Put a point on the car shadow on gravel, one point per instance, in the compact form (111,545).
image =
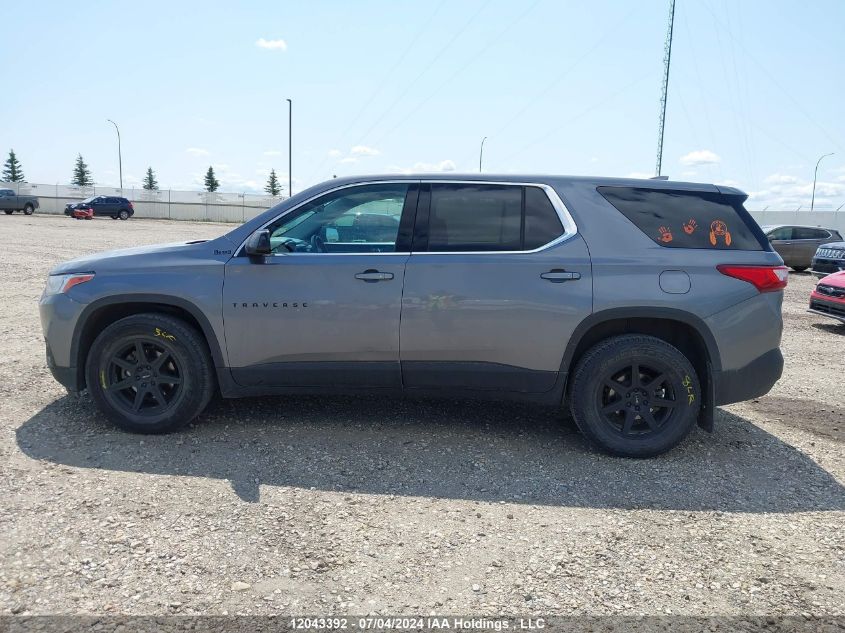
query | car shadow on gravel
(477,451)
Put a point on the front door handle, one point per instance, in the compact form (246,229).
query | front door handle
(373,275)
(558,276)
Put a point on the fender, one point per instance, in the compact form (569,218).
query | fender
(613,314)
(168,300)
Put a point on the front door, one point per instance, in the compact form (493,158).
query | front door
(496,284)
(323,309)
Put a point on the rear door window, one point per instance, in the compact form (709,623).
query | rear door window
(809,233)
(483,218)
(686,219)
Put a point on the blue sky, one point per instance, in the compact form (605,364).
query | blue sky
(757,90)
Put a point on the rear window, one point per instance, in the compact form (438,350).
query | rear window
(685,219)
(807,233)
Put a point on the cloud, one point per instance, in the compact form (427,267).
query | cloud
(363,150)
(788,196)
(197,151)
(272,45)
(781,179)
(700,157)
(272,152)
(335,153)
(443,165)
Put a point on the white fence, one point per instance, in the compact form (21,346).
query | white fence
(166,203)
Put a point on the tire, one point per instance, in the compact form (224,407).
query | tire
(8,211)
(123,215)
(177,358)
(799,269)
(28,210)
(628,421)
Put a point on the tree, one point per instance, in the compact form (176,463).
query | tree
(273,187)
(81,173)
(12,171)
(211,183)
(150,182)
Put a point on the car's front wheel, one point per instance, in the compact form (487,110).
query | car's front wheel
(150,373)
(123,215)
(635,395)
(8,211)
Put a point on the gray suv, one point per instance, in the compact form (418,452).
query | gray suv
(641,305)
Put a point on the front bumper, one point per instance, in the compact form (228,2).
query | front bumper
(752,381)
(59,315)
(828,307)
(823,266)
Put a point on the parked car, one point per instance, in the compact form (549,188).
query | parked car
(639,305)
(829,258)
(11,202)
(828,297)
(111,206)
(797,244)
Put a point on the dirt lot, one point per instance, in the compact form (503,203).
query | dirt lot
(353,505)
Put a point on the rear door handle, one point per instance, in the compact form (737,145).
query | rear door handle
(374,275)
(558,276)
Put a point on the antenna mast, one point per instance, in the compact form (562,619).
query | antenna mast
(667,57)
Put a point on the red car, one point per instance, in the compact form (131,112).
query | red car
(83,214)
(828,298)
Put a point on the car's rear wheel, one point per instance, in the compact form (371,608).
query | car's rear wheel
(123,215)
(8,211)
(799,269)
(635,395)
(29,209)
(150,373)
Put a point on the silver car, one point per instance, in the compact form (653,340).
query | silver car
(639,305)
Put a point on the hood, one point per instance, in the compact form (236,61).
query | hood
(836,245)
(140,257)
(835,279)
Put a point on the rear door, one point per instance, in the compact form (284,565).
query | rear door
(806,240)
(497,281)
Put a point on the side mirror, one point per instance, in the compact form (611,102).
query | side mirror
(258,244)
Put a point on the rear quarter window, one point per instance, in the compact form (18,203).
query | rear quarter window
(685,219)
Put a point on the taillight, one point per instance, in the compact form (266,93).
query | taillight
(764,278)
(131,206)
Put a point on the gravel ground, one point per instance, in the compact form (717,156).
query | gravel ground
(358,505)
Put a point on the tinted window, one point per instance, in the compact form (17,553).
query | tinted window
(805,233)
(783,233)
(685,219)
(475,218)
(354,220)
(542,223)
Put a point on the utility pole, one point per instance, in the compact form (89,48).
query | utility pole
(481,154)
(119,157)
(290,148)
(815,175)
(664,94)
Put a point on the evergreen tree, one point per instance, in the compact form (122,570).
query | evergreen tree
(81,173)
(150,182)
(211,183)
(273,187)
(12,171)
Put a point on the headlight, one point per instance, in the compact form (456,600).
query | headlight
(63,283)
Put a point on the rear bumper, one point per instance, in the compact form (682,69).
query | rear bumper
(752,381)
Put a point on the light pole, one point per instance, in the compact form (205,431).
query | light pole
(815,174)
(119,157)
(290,148)
(481,154)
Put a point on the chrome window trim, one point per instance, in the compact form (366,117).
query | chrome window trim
(570,229)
